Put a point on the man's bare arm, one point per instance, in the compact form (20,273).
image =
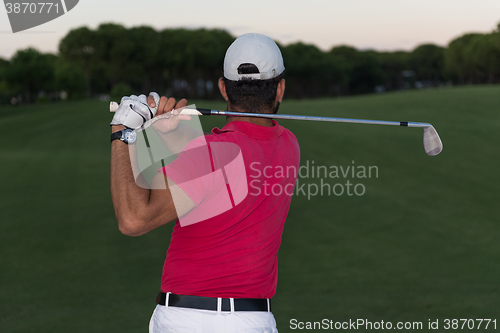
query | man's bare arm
(139,210)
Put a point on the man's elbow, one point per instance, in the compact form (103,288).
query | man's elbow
(130,227)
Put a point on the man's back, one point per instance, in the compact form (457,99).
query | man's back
(234,253)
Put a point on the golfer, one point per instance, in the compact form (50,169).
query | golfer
(221,269)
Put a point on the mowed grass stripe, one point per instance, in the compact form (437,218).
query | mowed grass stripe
(421,243)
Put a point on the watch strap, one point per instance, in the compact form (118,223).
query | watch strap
(116,135)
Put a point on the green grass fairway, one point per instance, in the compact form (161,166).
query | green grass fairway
(422,243)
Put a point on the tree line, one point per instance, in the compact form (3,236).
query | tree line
(114,60)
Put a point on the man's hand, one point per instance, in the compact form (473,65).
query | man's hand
(167,117)
(134,111)
(139,210)
(165,104)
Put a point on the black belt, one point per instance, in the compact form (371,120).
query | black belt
(210,303)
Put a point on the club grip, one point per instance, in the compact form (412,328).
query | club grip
(205,112)
(113,106)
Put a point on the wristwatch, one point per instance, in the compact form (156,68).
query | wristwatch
(126,135)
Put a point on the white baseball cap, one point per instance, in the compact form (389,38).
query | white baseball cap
(255,49)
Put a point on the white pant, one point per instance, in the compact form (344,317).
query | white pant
(181,320)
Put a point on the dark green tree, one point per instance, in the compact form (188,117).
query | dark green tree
(70,78)
(79,47)
(145,61)
(114,54)
(458,65)
(427,61)
(311,72)
(193,58)
(393,65)
(4,90)
(364,68)
(209,48)
(30,72)
(482,54)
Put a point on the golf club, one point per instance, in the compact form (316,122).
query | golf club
(432,142)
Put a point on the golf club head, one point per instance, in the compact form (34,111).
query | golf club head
(432,141)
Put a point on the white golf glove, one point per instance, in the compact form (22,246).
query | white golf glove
(134,111)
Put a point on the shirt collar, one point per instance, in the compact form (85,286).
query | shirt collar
(251,130)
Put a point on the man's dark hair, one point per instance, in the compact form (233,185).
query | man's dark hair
(256,96)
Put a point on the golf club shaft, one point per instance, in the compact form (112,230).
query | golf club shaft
(432,141)
(208,112)
(311,118)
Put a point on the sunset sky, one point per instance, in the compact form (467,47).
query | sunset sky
(377,24)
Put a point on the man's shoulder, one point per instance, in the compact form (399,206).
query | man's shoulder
(288,132)
(289,135)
